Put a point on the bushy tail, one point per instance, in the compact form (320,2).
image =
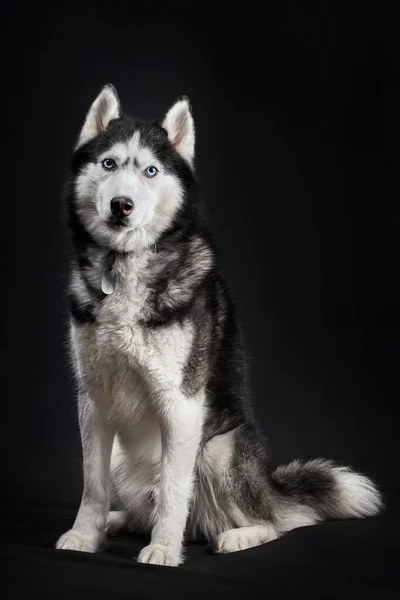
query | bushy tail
(318,490)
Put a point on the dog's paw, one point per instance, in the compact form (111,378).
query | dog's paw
(80,542)
(243,538)
(158,554)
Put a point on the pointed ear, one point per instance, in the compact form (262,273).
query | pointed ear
(179,124)
(104,108)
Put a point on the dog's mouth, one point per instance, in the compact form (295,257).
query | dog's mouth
(117,223)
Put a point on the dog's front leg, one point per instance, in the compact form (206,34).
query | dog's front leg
(88,531)
(181,425)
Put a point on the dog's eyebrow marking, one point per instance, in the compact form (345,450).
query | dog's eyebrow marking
(136,162)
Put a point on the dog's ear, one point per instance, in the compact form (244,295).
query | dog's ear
(179,124)
(104,108)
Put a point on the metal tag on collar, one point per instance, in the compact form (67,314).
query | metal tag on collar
(107,282)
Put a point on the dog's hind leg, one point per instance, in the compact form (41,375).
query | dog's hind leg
(233,503)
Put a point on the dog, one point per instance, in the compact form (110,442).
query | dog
(169,437)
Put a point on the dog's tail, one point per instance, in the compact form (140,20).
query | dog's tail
(320,490)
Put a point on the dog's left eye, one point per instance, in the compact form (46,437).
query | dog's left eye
(108,164)
(151,171)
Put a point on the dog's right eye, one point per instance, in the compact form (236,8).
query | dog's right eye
(108,164)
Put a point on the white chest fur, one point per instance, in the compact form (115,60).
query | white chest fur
(121,359)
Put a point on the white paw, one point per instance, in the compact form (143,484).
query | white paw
(80,542)
(158,554)
(243,538)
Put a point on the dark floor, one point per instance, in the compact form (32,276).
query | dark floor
(353,559)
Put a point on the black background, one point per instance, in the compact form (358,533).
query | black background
(298,132)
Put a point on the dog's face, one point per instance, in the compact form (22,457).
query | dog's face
(130,176)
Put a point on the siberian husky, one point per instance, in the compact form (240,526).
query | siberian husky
(169,438)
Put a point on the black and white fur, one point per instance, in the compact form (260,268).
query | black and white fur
(168,434)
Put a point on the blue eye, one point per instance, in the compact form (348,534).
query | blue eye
(151,172)
(108,164)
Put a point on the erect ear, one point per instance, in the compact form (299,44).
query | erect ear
(179,124)
(104,108)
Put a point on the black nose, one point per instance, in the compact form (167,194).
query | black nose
(121,207)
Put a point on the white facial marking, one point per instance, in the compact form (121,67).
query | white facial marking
(155,199)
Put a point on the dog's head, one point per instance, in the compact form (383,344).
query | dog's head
(131,177)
